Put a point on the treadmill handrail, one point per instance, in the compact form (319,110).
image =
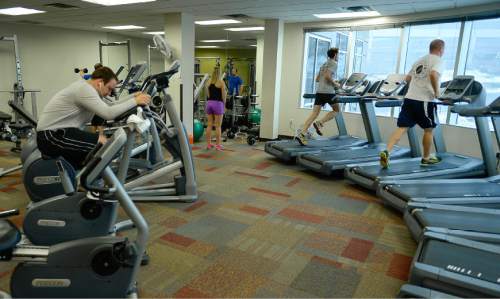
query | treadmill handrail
(493,109)
(390,101)
(348,98)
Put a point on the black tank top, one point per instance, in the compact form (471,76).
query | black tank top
(214,93)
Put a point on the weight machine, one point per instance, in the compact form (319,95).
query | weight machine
(24,121)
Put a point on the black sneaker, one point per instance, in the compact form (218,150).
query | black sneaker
(317,126)
(301,138)
(430,161)
(384,159)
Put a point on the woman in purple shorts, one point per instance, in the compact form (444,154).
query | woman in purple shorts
(216,91)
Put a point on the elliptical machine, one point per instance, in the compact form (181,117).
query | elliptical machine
(40,174)
(71,216)
(96,267)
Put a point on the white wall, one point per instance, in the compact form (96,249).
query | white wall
(49,55)
(460,140)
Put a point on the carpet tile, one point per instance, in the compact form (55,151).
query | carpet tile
(260,229)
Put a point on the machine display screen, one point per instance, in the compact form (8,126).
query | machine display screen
(354,79)
(458,86)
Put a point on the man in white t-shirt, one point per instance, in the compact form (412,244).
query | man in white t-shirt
(418,106)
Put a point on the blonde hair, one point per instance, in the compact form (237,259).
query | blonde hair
(215,75)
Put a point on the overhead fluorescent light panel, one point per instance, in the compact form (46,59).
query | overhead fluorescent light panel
(124,27)
(217,22)
(214,41)
(19,11)
(245,29)
(117,2)
(350,12)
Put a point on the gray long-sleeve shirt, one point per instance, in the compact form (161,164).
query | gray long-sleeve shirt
(74,106)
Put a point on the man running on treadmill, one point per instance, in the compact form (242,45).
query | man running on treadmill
(418,106)
(325,94)
(60,128)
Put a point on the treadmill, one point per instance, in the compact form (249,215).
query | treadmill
(456,266)
(391,92)
(413,291)
(460,89)
(483,192)
(479,224)
(287,150)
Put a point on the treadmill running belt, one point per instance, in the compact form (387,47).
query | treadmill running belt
(485,189)
(319,143)
(458,220)
(292,144)
(402,168)
(467,261)
(344,154)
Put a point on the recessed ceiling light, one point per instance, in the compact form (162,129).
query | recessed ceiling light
(344,15)
(19,11)
(253,45)
(124,27)
(154,32)
(217,22)
(245,29)
(214,41)
(207,47)
(117,2)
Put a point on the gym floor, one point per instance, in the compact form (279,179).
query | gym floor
(261,229)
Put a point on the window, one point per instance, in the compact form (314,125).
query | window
(360,46)
(315,56)
(342,43)
(380,52)
(482,62)
(359,54)
(419,38)
(376,54)
(317,44)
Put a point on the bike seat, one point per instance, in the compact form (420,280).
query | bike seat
(10,235)
(47,157)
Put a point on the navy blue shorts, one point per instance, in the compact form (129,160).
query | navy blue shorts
(324,98)
(417,112)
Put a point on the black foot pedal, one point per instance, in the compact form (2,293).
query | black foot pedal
(145,259)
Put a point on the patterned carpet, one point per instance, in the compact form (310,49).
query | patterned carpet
(261,229)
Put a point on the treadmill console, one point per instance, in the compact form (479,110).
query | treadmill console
(457,89)
(392,85)
(363,88)
(353,82)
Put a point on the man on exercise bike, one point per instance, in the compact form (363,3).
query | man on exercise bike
(60,127)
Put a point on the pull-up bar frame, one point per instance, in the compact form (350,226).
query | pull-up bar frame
(125,43)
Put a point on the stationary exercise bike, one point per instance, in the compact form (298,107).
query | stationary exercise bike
(99,267)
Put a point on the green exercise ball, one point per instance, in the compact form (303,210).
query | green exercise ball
(254,116)
(198,130)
